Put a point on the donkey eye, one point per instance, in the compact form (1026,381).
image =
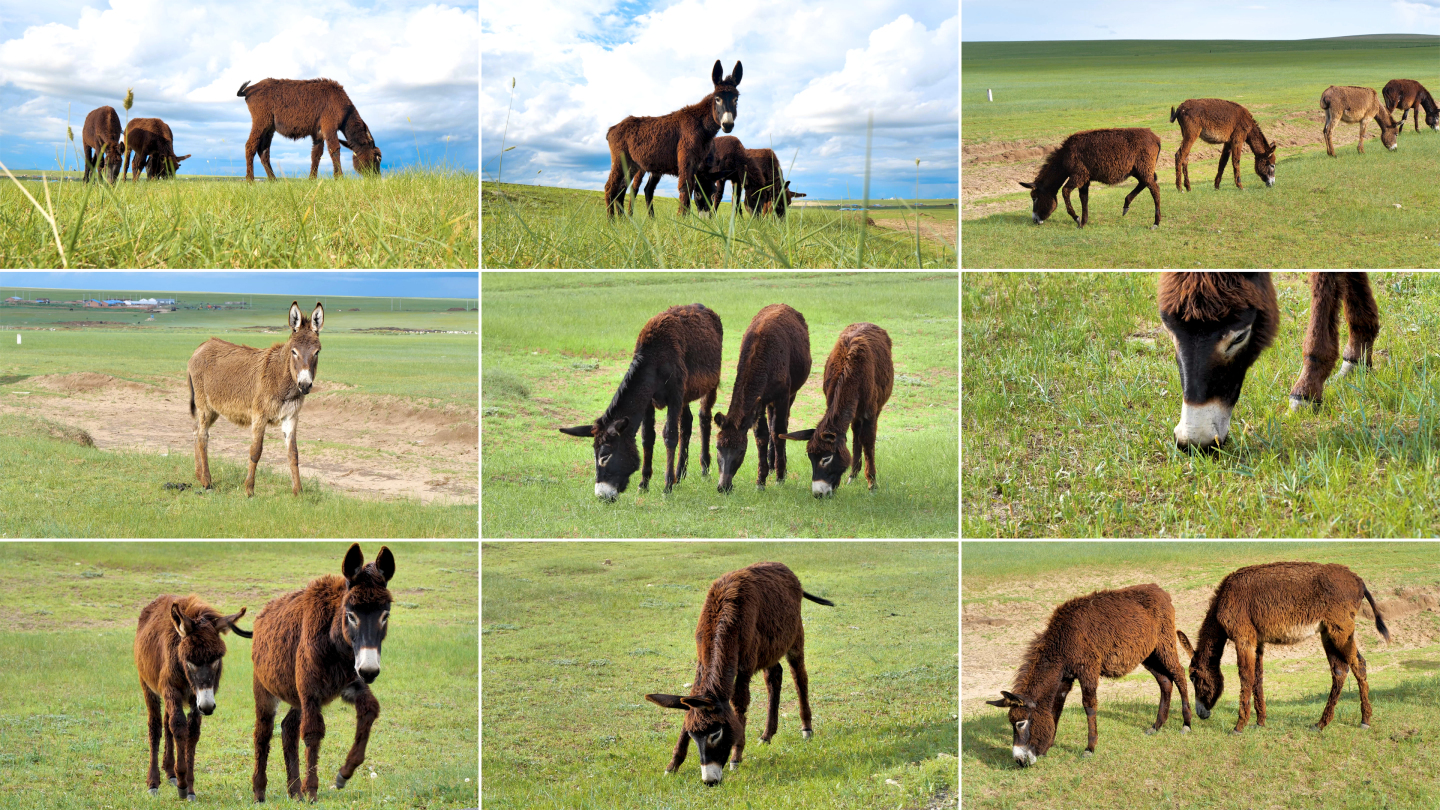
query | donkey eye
(714,739)
(351,617)
(605,460)
(1022,724)
(825,462)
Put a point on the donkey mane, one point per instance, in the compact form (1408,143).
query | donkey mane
(1210,296)
(635,363)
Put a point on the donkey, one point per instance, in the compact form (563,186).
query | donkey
(763,182)
(1107,155)
(101,138)
(725,162)
(677,361)
(1215,120)
(254,388)
(1356,104)
(858,379)
(750,621)
(1280,603)
(774,363)
(179,655)
(676,143)
(317,109)
(312,646)
(153,146)
(1408,95)
(789,197)
(1221,322)
(1105,634)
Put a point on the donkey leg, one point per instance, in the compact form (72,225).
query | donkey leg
(634,193)
(169,762)
(332,141)
(1358,666)
(1168,662)
(762,443)
(677,757)
(857,448)
(780,427)
(312,731)
(1363,318)
(707,404)
(190,743)
(1165,683)
(869,447)
(265,704)
(202,447)
(672,438)
(1339,668)
(1321,340)
(290,750)
(774,676)
(796,659)
(615,188)
(1360,147)
(650,186)
(154,713)
(1245,660)
(257,444)
(292,449)
(1058,705)
(647,446)
(1065,191)
(264,152)
(1182,163)
(1085,205)
(317,148)
(180,731)
(687,420)
(741,702)
(1089,682)
(1260,684)
(367,708)
(1224,158)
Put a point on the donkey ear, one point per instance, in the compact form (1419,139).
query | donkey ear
(345,144)
(739,71)
(183,625)
(667,701)
(798,436)
(228,623)
(828,436)
(295,317)
(1028,185)
(317,318)
(716,73)
(618,426)
(719,419)
(178,159)
(354,560)
(1185,642)
(385,563)
(697,702)
(579,430)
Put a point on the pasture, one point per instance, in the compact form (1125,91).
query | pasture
(74,723)
(555,348)
(1071,392)
(1008,591)
(577,633)
(1322,212)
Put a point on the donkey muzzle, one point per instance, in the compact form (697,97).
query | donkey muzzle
(367,664)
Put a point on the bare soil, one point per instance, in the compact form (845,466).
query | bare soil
(930,228)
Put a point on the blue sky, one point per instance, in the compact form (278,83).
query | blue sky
(411,69)
(315,285)
(813,70)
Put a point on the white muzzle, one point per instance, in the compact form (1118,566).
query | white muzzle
(712,774)
(1024,757)
(1202,424)
(367,659)
(205,700)
(820,488)
(606,491)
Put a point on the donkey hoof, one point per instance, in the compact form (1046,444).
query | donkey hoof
(1184,729)
(1088,753)
(806,733)
(1149,731)
(340,780)
(1364,726)
(155,791)
(173,783)
(1236,731)
(190,798)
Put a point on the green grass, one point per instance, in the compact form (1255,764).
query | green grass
(1071,392)
(555,347)
(72,722)
(544,227)
(416,218)
(566,721)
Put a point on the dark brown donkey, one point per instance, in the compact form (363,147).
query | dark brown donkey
(858,379)
(1409,95)
(1215,120)
(1106,155)
(725,162)
(677,361)
(312,646)
(676,143)
(1280,603)
(1106,634)
(750,621)
(101,137)
(152,144)
(1221,322)
(318,109)
(179,655)
(774,363)
(764,182)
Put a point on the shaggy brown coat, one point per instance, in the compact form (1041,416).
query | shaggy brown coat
(677,361)
(751,620)
(1215,120)
(310,648)
(101,135)
(318,109)
(1106,155)
(1280,603)
(763,179)
(254,388)
(1408,95)
(1105,634)
(725,162)
(1356,105)
(789,197)
(179,655)
(774,363)
(153,145)
(676,143)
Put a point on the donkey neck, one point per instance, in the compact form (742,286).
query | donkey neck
(1256,141)
(637,390)
(750,384)
(700,113)
(1210,641)
(719,654)
(840,407)
(1040,678)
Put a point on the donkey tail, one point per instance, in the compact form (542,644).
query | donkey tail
(1172,115)
(241,91)
(191,380)
(817,599)
(1379,622)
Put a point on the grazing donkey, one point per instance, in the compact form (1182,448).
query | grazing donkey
(317,109)
(1355,105)
(101,137)
(1408,95)
(1215,120)
(750,621)
(1221,322)
(179,655)
(153,146)
(312,646)
(774,363)
(858,379)
(725,162)
(763,180)
(677,361)
(1107,155)
(254,388)
(1106,634)
(676,143)
(1280,603)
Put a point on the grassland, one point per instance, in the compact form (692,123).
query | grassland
(577,633)
(555,346)
(1070,393)
(1009,590)
(72,722)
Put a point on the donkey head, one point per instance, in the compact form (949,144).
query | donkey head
(163,165)
(730,444)
(304,345)
(1265,163)
(366,157)
(1034,727)
(202,652)
(1389,130)
(726,96)
(1432,118)
(828,458)
(712,723)
(366,613)
(114,157)
(616,457)
(1205,674)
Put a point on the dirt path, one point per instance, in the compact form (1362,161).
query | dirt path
(372,446)
(930,228)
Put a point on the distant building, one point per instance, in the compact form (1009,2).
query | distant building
(166,301)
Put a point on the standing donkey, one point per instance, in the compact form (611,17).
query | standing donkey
(774,363)
(312,646)
(254,388)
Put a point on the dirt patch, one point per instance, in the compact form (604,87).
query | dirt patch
(936,231)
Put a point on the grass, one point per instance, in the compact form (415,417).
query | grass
(1068,410)
(555,346)
(72,722)
(413,218)
(566,722)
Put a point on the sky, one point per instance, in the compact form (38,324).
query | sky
(1024,20)
(313,285)
(410,68)
(813,71)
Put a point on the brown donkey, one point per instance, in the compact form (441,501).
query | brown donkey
(152,144)
(1106,155)
(312,646)
(1410,95)
(774,363)
(1281,603)
(179,655)
(318,109)
(1215,120)
(750,621)
(101,138)
(1106,634)
(254,388)
(1352,105)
